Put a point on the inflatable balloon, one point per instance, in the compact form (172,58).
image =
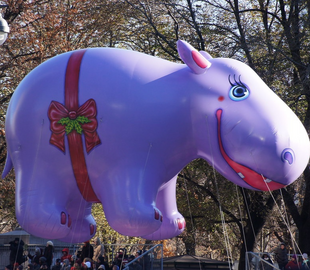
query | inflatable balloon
(116,126)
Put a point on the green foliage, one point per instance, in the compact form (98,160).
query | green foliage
(106,233)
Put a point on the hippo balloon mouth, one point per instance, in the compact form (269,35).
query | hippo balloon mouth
(254,179)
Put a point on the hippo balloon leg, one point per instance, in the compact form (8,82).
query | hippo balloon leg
(173,221)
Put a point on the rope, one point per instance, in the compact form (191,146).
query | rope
(294,243)
(226,237)
(240,212)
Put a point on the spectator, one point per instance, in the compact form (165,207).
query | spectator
(135,265)
(75,266)
(99,250)
(293,264)
(266,263)
(30,266)
(48,254)
(16,251)
(87,251)
(88,265)
(140,260)
(305,264)
(37,255)
(57,265)
(73,260)
(66,265)
(120,257)
(281,256)
(65,255)
(115,267)
(43,263)
(15,266)
(36,266)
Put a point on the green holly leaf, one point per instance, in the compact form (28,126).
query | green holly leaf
(77,127)
(69,126)
(74,124)
(64,121)
(82,119)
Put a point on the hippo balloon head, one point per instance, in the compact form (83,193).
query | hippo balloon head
(260,142)
(116,127)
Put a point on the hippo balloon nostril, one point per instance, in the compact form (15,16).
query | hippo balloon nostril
(288,156)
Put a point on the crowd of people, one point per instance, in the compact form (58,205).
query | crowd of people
(296,262)
(89,257)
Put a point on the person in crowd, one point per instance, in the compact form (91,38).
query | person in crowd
(66,265)
(87,251)
(65,255)
(16,251)
(101,261)
(101,267)
(37,255)
(281,256)
(76,258)
(76,266)
(36,266)
(140,260)
(115,267)
(15,266)
(30,266)
(88,265)
(135,265)
(49,254)
(293,264)
(305,263)
(57,265)
(73,260)
(43,263)
(98,250)
(120,257)
(266,263)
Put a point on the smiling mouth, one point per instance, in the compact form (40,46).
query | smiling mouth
(249,176)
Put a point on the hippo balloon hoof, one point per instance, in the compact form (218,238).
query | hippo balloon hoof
(81,231)
(172,226)
(136,221)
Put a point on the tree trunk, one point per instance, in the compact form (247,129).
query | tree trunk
(257,212)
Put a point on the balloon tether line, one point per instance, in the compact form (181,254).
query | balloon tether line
(226,237)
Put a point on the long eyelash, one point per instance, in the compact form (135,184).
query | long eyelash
(236,83)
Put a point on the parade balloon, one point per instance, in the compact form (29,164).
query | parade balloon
(113,126)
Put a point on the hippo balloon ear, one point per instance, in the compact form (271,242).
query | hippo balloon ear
(205,55)
(192,58)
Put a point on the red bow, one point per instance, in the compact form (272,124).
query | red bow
(88,112)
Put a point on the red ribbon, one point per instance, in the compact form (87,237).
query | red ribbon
(57,111)
(81,119)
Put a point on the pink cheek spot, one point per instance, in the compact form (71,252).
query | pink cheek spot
(221,98)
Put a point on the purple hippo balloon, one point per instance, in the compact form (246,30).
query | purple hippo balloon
(116,126)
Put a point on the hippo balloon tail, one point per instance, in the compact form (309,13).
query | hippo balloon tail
(8,166)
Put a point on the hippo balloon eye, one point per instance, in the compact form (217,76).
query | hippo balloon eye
(238,90)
